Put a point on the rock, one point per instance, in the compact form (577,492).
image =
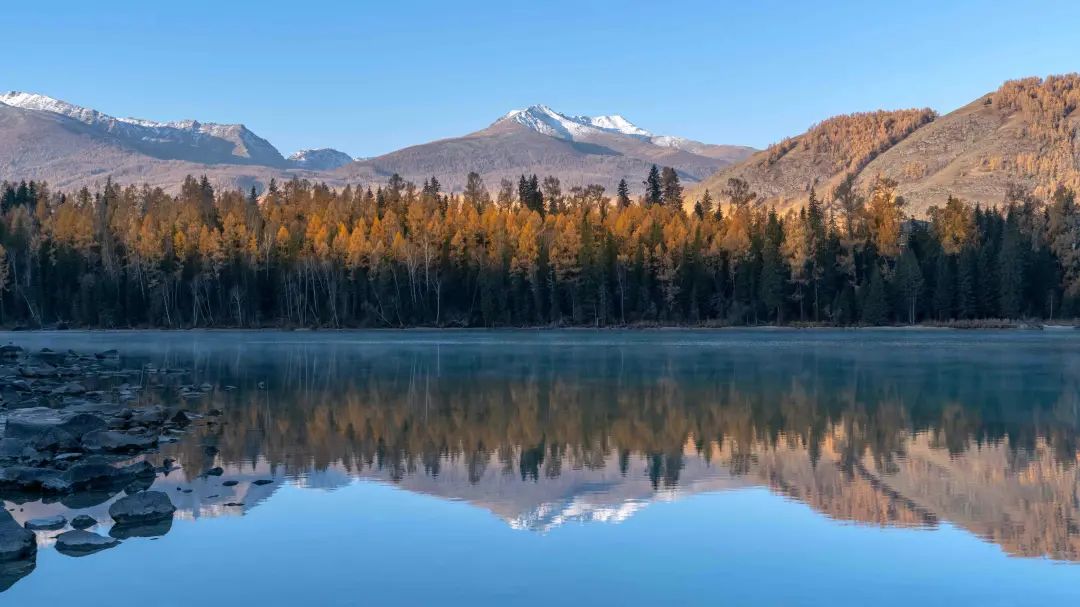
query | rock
(38,371)
(55,439)
(181,418)
(81,543)
(210,450)
(99,474)
(142,508)
(262,481)
(10,351)
(112,441)
(215,471)
(107,355)
(69,389)
(11,448)
(16,542)
(229,484)
(33,422)
(150,415)
(153,529)
(83,521)
(48,523)
(234,504)
(13,571)
(30,479)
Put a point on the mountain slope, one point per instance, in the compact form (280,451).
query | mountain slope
(69,153)
(188,140)
(783,174)
(321,159)
(578,149)
(1027,133)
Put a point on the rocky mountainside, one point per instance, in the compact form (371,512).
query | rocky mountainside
(189,140)
(322,159)
(1025,133)
(578,149)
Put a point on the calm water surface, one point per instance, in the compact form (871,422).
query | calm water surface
(577,467)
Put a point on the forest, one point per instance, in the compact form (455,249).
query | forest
(301,254)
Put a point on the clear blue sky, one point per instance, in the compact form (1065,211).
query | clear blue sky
(370,77)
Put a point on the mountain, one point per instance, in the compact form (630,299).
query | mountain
(321,159)
(190,140)
(578,149)
(783,174)
(70,146)
(1026,133)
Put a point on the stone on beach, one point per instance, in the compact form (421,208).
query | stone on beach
(16,542)
(80,542)
(142,508)
(48,523)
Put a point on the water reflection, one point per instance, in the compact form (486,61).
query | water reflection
(912,430)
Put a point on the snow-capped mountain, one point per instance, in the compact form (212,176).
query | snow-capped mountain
(190,140)
(547,121)
(579,150)
(321,159)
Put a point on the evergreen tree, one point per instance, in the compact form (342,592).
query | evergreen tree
(944,287)
(672,192)
(909,278)
(773,276)
(654,189)
(622,194)
(875,307)
(1011,263)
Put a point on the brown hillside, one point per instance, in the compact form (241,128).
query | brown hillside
(783,174)
(1025,133)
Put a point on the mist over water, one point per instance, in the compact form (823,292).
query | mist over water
(535,466)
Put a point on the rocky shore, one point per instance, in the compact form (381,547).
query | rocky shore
(77,427)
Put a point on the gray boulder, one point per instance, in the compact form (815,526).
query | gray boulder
(142,508)
(83,521)
(80,542)
(33,422)
(16,542)
(48,523)
(69,389)
(101,474)
(29,479)
(112,441)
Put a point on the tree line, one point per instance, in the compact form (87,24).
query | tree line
(395,255)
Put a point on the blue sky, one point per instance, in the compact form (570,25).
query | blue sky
(371,77)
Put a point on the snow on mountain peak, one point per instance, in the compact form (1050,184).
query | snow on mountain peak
(321,159)
(205,141)
(547,121)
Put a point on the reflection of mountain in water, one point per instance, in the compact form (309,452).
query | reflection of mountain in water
(899,430)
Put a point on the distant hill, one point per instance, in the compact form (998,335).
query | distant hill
(578,149)
(1025,133)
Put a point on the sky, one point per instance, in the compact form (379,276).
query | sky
(370,77)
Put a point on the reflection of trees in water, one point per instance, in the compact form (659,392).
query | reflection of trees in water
(985,443)
(534,413)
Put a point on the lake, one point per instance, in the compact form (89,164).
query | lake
(674,467)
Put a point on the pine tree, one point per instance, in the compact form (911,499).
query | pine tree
(875,308)
(944,287)
(1011,264)
(654,190)
(909,278)
(671,188)
(773,277)
(622,194)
